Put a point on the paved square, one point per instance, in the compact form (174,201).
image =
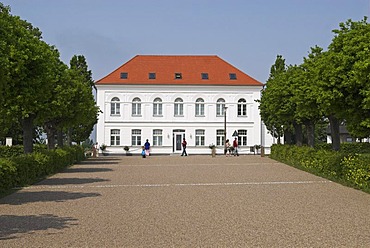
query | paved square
(194,201)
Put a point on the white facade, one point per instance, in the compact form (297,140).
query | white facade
(134,113)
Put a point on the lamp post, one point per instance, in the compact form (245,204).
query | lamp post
(225,108)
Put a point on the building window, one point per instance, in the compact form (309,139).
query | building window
(157,137)
(151,75)
(124,75)
(136,107)
(242,107)
(115,137)
(136,137)
(179,107)
(232,76)
(157,107)
(220,137)
(115,106)
(220,106)
(199,137)
(199,107)
(204,76)
(242,134)
(178,75)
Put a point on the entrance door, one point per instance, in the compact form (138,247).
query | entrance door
(178,135)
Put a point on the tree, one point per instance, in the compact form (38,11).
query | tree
(26,86)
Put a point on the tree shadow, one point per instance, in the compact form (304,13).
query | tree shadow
(12,226)
(97,162)
(65,181)
(24,197)
(86,170)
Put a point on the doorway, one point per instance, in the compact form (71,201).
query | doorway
(178,135)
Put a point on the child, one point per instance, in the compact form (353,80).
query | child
(143,153)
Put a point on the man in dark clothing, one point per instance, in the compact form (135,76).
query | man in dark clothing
(235,145)
(184,143)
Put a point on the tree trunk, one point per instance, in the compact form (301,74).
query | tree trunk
(288,137)
(27,126)
(50,132)
(60,138)
(335,136)
(298,134)
(69,137)
(310,126)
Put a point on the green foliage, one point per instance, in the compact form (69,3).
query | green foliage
(25,169)
(345,166)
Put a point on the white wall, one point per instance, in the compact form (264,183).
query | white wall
(125,122)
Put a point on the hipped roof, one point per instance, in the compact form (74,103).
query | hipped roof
(165,66)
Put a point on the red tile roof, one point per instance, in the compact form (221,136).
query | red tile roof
(165,67)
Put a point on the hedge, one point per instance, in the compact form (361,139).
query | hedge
(26,169)
(350,165)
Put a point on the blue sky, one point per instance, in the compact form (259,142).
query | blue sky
(246,33)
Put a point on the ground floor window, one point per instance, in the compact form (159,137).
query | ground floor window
(242,137)
(220,137)
(199,137)
(157,137)
(115,137)
(136,137)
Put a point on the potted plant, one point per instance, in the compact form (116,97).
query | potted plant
(213,149)
(103,148)
(126,148)
(257,147)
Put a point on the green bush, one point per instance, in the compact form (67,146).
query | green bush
(350,165)
(26,169)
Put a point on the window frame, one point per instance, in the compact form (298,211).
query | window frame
(157,107)
(232,76)
(199,107)
(152,75)
(242,137)
(204,76)
(124,75)
(115,137)
(136,107)
(220,106)
(136,137)
(178,107)
(220,137)
(200,137)
(157,137)
(115,107)
(242,108)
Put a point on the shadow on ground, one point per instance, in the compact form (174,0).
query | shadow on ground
(86,170)
(24,197)
(66,181)
(12,226)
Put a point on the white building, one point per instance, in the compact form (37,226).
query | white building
(167,98)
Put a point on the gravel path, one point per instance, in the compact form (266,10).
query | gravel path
(194,201)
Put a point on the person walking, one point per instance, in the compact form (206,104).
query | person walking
(228,149)
(235,146)
(184,143)
(147,148)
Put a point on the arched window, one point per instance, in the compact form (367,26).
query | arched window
(157,107)
(179,107)
(115,106)
(199,107)
(242,107)
(136,107)
(220,106)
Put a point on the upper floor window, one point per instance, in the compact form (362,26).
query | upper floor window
(157,107)
(179,107)
(115,137)
(242,107)
(178,75)
(115,106)
(199,107)
(152,75)
(124,75)
(199,137)
(204,76)
(232,76)
(136,107)
(220,107)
